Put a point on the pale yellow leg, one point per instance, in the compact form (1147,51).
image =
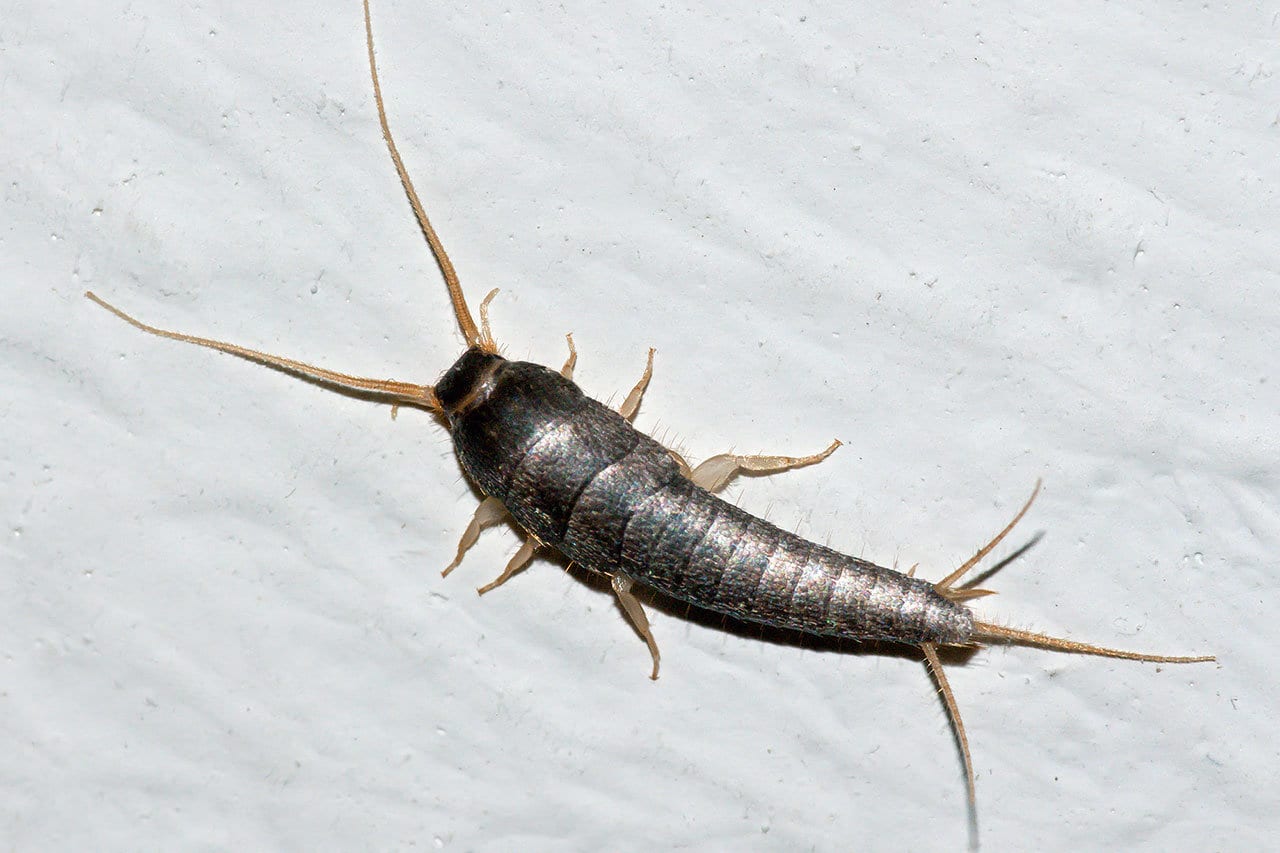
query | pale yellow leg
(490,512)
(714,473)
(629,405)
(622,588)
(571,361)
(518,562)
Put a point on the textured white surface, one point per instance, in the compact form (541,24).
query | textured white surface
(981,245)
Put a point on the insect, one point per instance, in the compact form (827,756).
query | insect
(576,477)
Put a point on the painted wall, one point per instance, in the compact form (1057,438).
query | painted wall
(980,245)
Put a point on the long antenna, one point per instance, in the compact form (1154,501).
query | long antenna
(406,392)
(460,310)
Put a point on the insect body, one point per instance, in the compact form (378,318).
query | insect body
(577,477)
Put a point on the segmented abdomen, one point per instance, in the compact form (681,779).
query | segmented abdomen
(582,480)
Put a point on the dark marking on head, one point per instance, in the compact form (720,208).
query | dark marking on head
(468,382)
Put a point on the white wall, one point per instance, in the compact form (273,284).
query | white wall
(980,245)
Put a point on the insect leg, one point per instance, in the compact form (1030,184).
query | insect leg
(572,361)
(714,473)
(629,405)
(622,588)
(490,512)
(518,562)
